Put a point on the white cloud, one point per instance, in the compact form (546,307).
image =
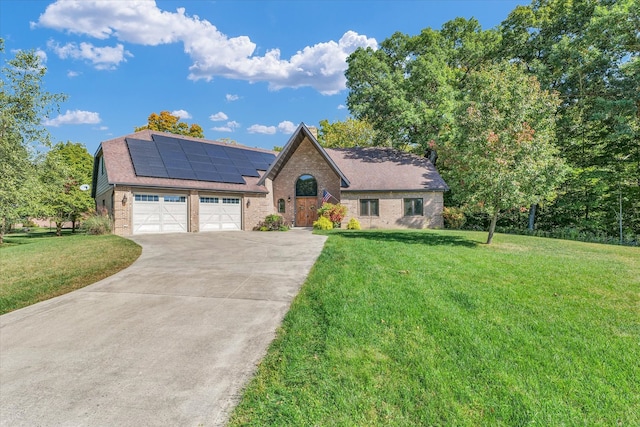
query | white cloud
(230,127)
(267,130)
(218,117)
(183,114)
(72,74)
(213,53)
(231,98)
(102,58)
(42,55)
(341,107)
(75,117)
(287,127)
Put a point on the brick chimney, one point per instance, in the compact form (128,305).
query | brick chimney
(314,131)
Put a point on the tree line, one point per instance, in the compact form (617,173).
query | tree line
(536,119)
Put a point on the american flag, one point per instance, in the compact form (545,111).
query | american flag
(326,196)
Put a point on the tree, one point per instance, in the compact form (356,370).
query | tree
(407,89)
(166,122)
(65,168)
(586,51)
(23,106)
(502,154)
(349,133)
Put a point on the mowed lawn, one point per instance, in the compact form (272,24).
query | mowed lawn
(436,328)
(38,266)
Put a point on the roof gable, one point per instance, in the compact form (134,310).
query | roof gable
(291,146)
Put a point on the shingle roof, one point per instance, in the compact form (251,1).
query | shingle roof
(120,169)
(386,169)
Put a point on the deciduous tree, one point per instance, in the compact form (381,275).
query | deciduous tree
(167,122)
(501,155)
(23,105)
(344,134)
(65,168)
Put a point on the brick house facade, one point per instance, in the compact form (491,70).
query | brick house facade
(382,188)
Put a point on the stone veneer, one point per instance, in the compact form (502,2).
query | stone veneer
(305,160)
(391,209)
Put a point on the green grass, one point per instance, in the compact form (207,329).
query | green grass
(38,265)
(436,328)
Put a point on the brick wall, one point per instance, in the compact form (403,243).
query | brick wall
(391,209)
(122,213)
(305,160)
(257,207)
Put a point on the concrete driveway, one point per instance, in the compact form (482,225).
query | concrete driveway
(170,341)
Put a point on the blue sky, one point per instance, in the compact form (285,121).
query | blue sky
(250,71)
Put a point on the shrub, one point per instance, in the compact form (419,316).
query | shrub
(335,213)
(323,223)
(453,217)
(100,223)
(353,224)
(28,223)
(272,223)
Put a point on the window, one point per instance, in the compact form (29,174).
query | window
(103,203)
(146,198)
(412,207)
(281,206)
(229,201)
(175,199)
(209,200)
(101,165)
(306,186)
(369,207)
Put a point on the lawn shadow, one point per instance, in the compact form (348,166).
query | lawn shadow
(419,237)
(21,238)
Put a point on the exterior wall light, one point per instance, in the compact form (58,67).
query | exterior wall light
(124,200)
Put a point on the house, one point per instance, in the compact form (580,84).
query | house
(154,182)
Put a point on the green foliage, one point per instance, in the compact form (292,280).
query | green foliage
(349,133)
(588,52)
(272,222)
(323,223)
(453,217)
(65,168)
(335,213)
(502,153)
(407,88)
(527,331)
(97,224)
(167,122)
(354,224)
(24,105)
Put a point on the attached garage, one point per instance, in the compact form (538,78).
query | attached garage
(159,213)
(220,213)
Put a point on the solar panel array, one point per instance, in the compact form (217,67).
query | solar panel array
(171,157)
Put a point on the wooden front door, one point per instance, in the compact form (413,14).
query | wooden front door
(306,211)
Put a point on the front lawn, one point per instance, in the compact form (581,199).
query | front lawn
(38,265)
(436,328)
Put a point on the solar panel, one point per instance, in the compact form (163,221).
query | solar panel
(170,156)
(232,178)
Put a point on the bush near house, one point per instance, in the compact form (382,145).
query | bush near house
(335,213)
(323,223)
(454,217)
(272,223)
(353,224)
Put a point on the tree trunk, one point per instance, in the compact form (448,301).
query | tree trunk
(58,228)
(492,227)
(73,225)
(532,216)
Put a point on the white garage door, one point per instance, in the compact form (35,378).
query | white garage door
(220,213)
(153,213)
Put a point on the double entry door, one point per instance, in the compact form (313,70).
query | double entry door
(306,211)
